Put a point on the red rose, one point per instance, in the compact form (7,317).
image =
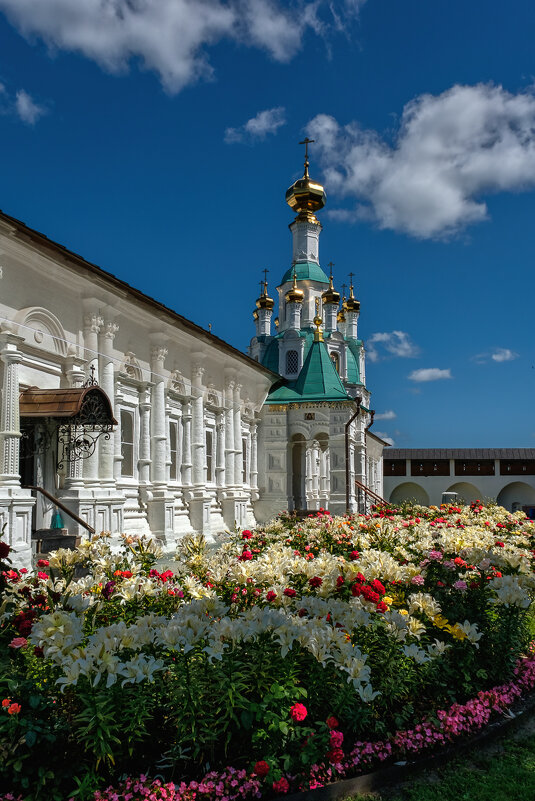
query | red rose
(289,592)
(298,712)
(246,535)
(356,590)
(4,550)
(499,544)
(271,596)
(14,709)
(261,768)
(360,578)
(340,581)
(281,786)
(246,556)
(302,612)
(335,755)
(382,607)
(316,581)
(332,723)
(354,555)
(43,563)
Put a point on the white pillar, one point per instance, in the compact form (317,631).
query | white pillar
(330,314)
(107,382)
(229,433)
(92,324)
(186,447)
(10,415)
(254,456)
(351,324)
(220,449)
(198,426)
(144,435)
(158,433)
(264,322)
(75,378)
(238,453)
(293,315)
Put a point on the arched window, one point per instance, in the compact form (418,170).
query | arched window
(292,362)
(336,361)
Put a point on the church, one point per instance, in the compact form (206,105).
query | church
(118,414)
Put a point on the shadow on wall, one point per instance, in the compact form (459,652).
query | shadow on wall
(409,491)
(516,495)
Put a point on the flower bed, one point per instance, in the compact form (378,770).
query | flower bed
(297,653)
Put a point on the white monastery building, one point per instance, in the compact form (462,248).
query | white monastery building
(118,414)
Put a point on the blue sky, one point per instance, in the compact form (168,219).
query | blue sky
(157,138)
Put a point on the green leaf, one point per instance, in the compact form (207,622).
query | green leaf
(31,738)
(283,727)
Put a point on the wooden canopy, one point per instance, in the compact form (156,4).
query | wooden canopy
(84,404)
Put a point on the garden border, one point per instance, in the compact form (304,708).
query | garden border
(399,772)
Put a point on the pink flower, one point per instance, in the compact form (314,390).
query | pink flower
(298,712)
(460,585)
(18,642)
(417,580)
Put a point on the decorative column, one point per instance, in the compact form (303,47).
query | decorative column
(92,324)
(158,433)
(229,433)
(144,435)
(16,504)
(10,418)
(107,382)
(220,450)
(238,453)
(315,469)
(75,378)
(198,426)
(160,504)
(186,446)
(254,456)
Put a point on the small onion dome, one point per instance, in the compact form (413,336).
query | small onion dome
(255,314)
(341,317)
(318,333)
(264,301)
(351,304)
(295,295)
(331,295)
(306,196)
(276,321)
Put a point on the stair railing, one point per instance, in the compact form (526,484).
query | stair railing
(61,506)
(370,497)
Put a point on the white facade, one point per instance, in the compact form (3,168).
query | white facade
(184,454)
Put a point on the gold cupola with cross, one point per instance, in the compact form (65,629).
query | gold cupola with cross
(306,196)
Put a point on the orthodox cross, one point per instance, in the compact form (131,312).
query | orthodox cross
(344,289)
(351,278)
(265,279)
(306,142)
(331,265)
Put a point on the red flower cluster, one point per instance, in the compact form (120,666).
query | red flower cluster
(246,556)
(315,581)
(246,535)
(298,712)
(289,592)
(43,563)
(271,596)
(261,768)
(281,786)
(11,707)
(123,573)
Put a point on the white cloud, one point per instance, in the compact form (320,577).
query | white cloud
(429,374)
(258,127)
(170,36)
(497,355)
(27,109)
(395,343)
(390,415)
(450,150)
(383,435)
(503,355)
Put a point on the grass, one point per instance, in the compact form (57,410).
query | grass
(504,772)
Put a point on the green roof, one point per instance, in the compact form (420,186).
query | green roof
(317,381)
(305,270)
(353,360)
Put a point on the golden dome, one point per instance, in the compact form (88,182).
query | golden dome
(351,304)
(255,314)
(276,321)
(295,295)
(331,295)
(265,302)
(341,317)
(306,196)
